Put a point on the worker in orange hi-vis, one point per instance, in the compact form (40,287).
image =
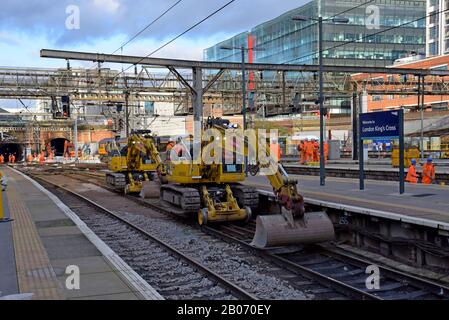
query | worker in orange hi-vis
(29,158)
(13,159)
(2,159)
(66,146)
(309,150)
(305,150)
(169,148)
(275,150)
(428,172)
(326,151)
(412,176)
(302,155)
(42,158)
(316,151)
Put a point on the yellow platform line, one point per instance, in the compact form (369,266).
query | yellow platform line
(34,271)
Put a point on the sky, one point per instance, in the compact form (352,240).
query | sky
(105,25)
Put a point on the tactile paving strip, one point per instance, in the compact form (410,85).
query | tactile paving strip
(34,271)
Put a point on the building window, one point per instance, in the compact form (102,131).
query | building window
(433,48)
(434,3)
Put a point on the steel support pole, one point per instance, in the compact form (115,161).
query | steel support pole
(127,114)
(421,106)
(245,125)
(401,153)
(321,100)
(243,89)
(361,158)
(355,135)
(197,100)
(75,138)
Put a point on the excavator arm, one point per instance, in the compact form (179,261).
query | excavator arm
(284,188)
(139,144)
(293,226)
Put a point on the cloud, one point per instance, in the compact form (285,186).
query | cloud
(109,5)
(10,39)
(107,18)
(28,26)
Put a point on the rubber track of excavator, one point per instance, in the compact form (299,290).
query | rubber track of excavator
(116,180)
(246,196)
(188,199)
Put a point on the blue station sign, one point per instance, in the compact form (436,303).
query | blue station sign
(379,125)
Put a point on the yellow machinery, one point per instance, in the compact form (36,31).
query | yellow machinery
(410,153)
(214,193)
(137,163)
(211,191)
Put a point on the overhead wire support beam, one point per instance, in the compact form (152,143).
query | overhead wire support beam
(181,78)
(188,64)
(213,80)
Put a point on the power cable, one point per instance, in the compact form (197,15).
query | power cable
(147,26)
(180,35)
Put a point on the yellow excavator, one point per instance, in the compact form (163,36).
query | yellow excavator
(213,190)
(133,168)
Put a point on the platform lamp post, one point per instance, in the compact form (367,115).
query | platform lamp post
(244,110)
(321,82)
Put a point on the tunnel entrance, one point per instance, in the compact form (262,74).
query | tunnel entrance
(58,146)
(11,148)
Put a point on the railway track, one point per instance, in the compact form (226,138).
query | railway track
(326,272)
(236,271)
(174,274)
(335,268)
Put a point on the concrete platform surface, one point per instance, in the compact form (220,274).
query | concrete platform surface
(45,239)
(422,202)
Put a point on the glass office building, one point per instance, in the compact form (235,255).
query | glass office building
(369,38)
(437,27)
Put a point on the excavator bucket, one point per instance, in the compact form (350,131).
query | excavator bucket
(150,189)
(276,230)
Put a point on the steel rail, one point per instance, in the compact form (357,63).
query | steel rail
(296,268)
(339,286)
(237,291)
(281,262)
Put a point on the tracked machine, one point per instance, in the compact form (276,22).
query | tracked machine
(136,166)
(215,193)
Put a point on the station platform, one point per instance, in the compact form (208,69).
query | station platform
(426,205)
(373,172)
(45,238)
(373,167)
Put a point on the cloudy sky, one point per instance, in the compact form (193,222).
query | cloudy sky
(27,26)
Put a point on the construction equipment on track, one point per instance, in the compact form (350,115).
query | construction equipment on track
(214,193)
(137,168)
(211,191)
